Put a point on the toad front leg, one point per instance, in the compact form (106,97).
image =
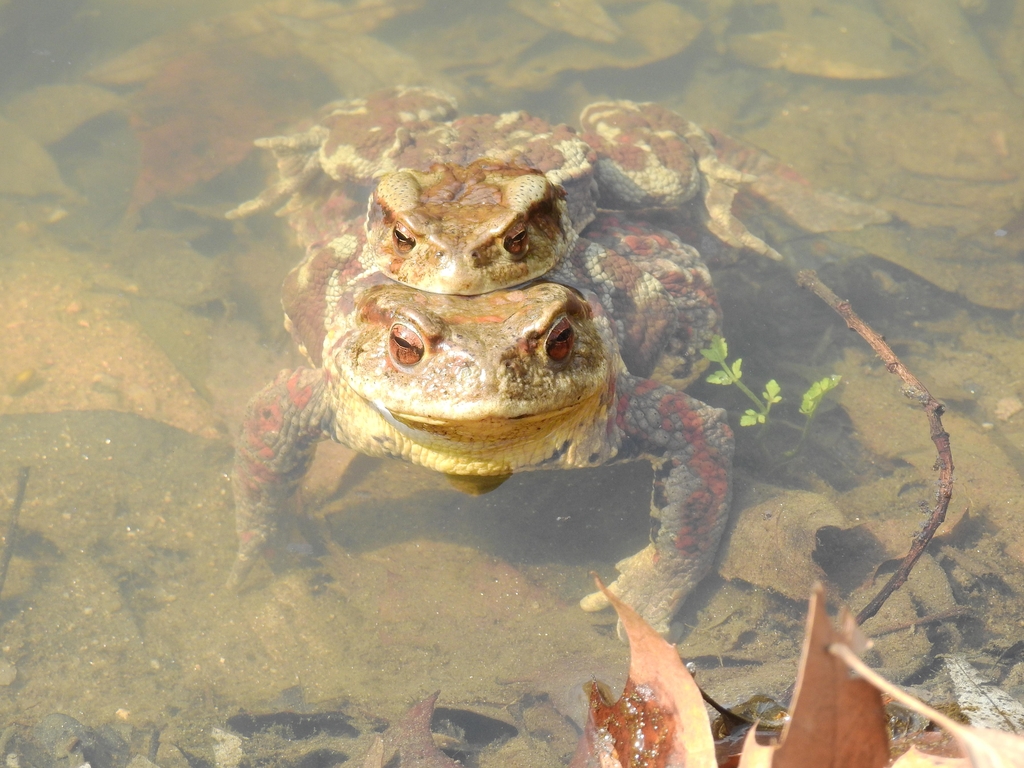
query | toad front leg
(691,447)
(283,423)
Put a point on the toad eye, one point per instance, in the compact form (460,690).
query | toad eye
(516,240)
(403,240)
(405,345)
(560,341)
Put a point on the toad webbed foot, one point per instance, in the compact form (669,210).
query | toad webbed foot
(690,446)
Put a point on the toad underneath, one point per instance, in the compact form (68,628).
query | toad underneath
(521,379)
(560,365)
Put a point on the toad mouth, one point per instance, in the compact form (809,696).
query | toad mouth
(421,428)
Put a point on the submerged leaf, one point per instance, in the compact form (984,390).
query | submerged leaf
(784,188)
(410,741)
(833,40)
(213,87)
(986,705)
(51,112)
(199,116)
(983,747)
(580,18)
(656,31)
(660,720)
(26,168)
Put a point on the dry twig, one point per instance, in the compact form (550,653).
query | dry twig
(915,390)
(934,618)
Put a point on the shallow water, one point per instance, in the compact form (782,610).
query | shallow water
(136,322)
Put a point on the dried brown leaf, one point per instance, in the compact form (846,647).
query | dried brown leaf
(655,663)
(836,720)
(661,702)
(983,747)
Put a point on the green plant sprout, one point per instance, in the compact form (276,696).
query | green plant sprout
(811,400)
(732,373)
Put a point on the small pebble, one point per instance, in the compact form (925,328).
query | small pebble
(227,751)
(107,384)
(8,672)
(1008,407)
(23,382)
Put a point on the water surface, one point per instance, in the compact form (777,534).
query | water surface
(136,322)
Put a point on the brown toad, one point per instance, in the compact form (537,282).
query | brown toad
(545,376)
(525,188)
